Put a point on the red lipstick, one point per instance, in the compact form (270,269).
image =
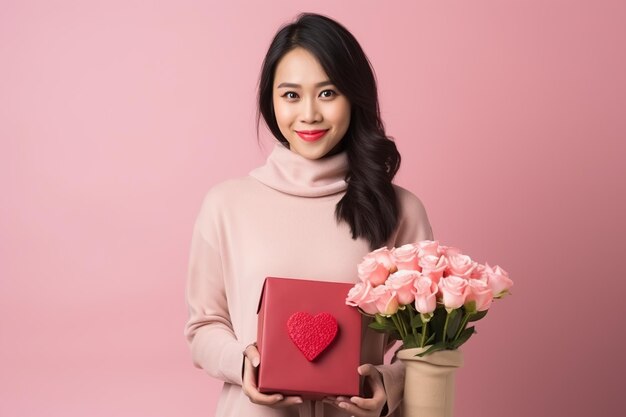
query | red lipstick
(311,135)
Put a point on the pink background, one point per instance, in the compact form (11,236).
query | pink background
(117,116)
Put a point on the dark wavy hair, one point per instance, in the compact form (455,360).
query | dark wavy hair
(369,205)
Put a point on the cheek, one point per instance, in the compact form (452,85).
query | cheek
(340,115)
(283,114)
(347,119)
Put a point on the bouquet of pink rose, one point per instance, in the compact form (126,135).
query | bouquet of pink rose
(425,293)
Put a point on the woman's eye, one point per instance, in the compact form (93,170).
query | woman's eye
(325,94)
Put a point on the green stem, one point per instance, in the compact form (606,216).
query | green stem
(445,327)
(406,331)
(394,318)
(424,327)
(411,319)
(462,326)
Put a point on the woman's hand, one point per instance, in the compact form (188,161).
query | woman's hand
(360,406)
(251,362)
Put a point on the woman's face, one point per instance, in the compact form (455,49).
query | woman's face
(305,100)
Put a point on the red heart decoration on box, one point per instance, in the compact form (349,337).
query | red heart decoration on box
(312,334)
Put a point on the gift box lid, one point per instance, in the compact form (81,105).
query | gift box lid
(308,338)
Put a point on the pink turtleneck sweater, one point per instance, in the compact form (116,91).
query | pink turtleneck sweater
(278,221)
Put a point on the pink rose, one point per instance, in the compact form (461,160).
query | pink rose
(433,266)
(428,247)
(383,256)
(460,265)
(386,300)
(479,273)
(480,293)
(361,296)
(402,282)
(425,294)
(449,250)
(498,280)
(372,271)
(454,290)
(405,257)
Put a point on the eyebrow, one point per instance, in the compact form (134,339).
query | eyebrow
(293,85)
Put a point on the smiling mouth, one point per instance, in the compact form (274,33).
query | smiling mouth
(311,135)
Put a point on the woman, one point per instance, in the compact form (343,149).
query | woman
(323,199)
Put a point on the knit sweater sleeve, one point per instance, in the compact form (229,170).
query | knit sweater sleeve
(208,330)
(413,226)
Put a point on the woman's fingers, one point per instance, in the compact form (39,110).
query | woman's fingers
(360,406)
(249,376)
(288,401)
(274,400)
(252,353)
(374,377)
(250,385)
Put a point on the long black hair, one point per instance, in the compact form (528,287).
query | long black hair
(369,205)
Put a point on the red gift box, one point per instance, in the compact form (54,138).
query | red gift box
(308,338)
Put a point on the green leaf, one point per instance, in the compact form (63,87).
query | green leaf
(416,321)
(438,320)
(378,327)
(409,344)
(479,315)
(382,324)
(433,348)
(454,323)
(435,325)
(463,337)
(380,319)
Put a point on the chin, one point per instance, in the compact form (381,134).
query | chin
(312,155)
(309,151)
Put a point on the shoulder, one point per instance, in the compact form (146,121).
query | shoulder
(217,202)
(221,198)
(225,193)
(409,204)
(413,222)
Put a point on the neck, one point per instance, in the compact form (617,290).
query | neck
(291,173)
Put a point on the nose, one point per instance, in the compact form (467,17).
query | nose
(310,111)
